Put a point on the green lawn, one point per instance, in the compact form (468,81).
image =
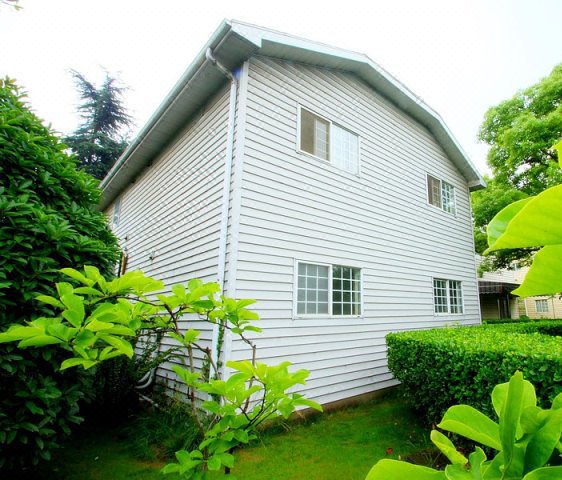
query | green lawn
(339,445)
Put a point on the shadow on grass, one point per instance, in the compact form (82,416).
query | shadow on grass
(342,444)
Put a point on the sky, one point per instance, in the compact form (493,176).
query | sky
(460,56)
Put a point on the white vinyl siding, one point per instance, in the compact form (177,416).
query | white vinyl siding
(541,306)
(328,141)
(447,296)
(378,221)
(170,216)
(441,194)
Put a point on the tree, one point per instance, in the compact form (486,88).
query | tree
(97,320)
(486,204)
(99,140)
(521,132)
(48,220)
(533,222)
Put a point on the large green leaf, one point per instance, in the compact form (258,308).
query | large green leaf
(447,448)
(510,416)
(543,442)
(499,396)
(543,278)
(546,473)
(394,470)
(498,225)
(535,224)
(39,341)
(470,423)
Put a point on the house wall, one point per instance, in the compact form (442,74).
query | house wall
(170,216)
(554,307)
(489,306)
(295,207)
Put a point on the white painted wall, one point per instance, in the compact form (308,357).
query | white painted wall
(172,211)
(296,207)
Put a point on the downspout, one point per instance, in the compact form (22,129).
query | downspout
(229,160)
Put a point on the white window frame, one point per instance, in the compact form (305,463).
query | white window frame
(441,182)
(330,266)
(447,287)
(329,161)
(541,301)
(116,215)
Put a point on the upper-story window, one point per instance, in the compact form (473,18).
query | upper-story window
(116,211)
(441,194)
(326,140)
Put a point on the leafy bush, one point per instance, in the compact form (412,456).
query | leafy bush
(97,320)
(526,438)
(443,367)
(49,221)
(157,433)
(521,319)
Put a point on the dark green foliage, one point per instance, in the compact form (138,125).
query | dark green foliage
(521,132)
(486,204)
(98,141)
(159,433)
(521,319)
(443,367)
(48,220)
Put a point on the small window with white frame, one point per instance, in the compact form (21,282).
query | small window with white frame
(541,305)
(441,194)
(447,296)
(116,212)
(328,290)
(326,140)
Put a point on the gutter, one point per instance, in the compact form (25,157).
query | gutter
(229,160)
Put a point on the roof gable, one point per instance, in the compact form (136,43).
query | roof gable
(232,44)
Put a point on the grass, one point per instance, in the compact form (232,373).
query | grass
(341,444)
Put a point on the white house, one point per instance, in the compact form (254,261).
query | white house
(308,178)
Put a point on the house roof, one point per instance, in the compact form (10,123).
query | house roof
(233,43)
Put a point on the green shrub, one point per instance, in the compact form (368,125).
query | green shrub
(521,319)
(442,367)
(526,439)
(49,221)
(159,433)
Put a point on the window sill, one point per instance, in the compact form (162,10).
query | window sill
(323,160)
(454,215)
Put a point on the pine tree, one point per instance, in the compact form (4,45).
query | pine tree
(99,140)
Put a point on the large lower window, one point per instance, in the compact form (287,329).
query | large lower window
(328,290)
(328,141)
(541,306)
(447,296)
(441,194)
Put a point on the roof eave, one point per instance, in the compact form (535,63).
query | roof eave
(233,43)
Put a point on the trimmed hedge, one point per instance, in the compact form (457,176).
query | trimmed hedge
(446,366)
(494,321)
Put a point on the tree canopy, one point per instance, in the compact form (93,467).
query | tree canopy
(99,140)
(486,204)
(48,220)
(521,132)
